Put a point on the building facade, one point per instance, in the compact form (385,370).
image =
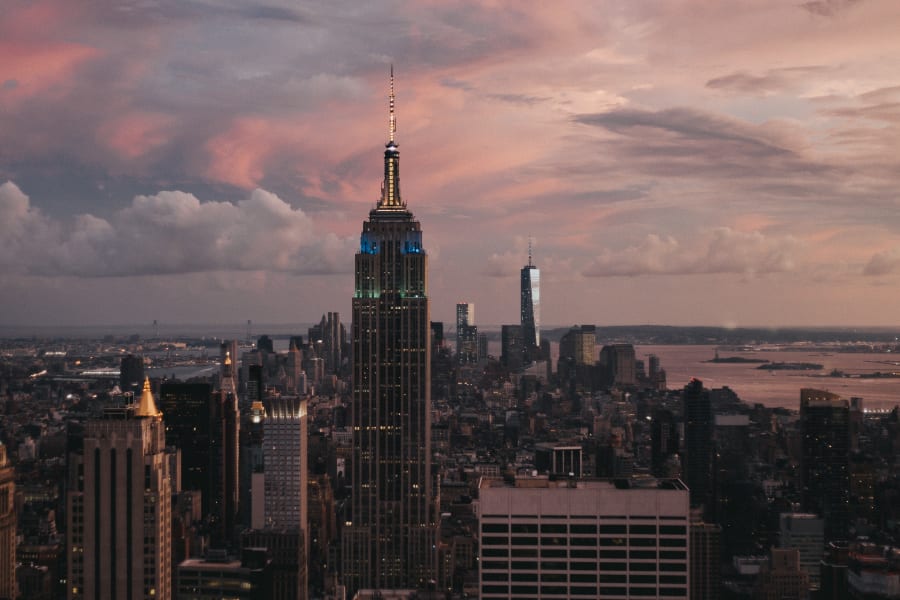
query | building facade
(390,540)
(7,527)
(583,539)
(119,507)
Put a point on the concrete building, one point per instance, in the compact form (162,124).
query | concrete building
(583,538)
(805,533)
(119,513)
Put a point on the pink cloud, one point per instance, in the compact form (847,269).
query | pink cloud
(135,134)
(40,69)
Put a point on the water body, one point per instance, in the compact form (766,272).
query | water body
(781,388)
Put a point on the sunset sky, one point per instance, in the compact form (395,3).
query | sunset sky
(675,162)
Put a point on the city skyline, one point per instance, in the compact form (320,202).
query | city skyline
(691,163)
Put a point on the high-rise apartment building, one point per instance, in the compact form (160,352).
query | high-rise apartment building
(697,466)
(7,527)
(530,306)
(542,538)
(390,540)
(119,507)
(825,461)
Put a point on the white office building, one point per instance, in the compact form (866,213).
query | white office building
(543,538)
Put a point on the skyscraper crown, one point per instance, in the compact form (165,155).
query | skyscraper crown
(390,187)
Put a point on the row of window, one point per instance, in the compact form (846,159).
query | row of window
(643,578)
(527,565)
(668,592)
(574,553)
(679,542)
(576,528)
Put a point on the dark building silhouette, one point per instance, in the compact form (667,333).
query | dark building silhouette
(512,347)
(328,340)
(264,344)
(697,465)
(825,463)
(390,541)
(664,443)
(131,374)
(618,363)
(187,412)
(705,560)
(224,458)
(437,335)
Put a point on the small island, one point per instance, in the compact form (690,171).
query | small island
(791,366)
(736,360)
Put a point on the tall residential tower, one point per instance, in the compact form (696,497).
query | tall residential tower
(390,540)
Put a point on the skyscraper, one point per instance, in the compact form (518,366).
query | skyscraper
(285,494)
(698,444)
(466,334)
(825,464)
(225,430)
(531,307)
(390,541)
(120,506)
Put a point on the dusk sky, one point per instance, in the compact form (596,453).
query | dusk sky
(726,163)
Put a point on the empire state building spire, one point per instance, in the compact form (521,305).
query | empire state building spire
(390,188)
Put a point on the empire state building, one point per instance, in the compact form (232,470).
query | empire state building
(389,541)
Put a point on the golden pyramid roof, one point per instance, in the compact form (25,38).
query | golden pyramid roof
(147,406)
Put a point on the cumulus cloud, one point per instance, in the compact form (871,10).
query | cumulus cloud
(883,263)
(723,250)
(169,233)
